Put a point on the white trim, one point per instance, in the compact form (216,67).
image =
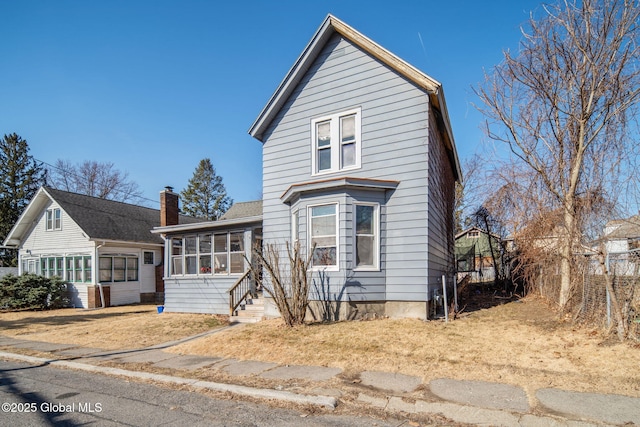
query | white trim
(335,146)
(335,267)
(376,235)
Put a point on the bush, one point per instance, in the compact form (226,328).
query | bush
(32,291)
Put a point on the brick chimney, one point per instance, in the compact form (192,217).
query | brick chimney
(168,207)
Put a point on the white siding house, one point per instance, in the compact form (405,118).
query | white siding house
(103,249)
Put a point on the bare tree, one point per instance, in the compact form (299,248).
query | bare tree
(563,106)
(286,282)
(95,179)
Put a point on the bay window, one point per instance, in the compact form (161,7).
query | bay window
(323,239)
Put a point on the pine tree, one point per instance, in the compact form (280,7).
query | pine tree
(205,195)
(20,178)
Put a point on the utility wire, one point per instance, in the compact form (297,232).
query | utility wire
(80,178)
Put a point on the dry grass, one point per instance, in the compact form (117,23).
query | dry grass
(111,328)
(520,343)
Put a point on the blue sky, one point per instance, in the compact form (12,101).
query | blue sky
(156,86)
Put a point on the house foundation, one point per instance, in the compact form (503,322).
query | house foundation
(93,296)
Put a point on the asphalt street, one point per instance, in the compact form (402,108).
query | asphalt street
(48,396)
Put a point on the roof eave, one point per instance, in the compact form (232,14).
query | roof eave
(207,225)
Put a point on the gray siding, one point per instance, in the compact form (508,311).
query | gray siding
(206,295)
(395,122)
(202,293)
(440,212)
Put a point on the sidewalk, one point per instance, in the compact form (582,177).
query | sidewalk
(473,402)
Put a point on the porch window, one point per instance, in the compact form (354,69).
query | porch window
(191,255)
(336,142)
(118,268)
(324,235)
(204,248)
(220,253)
(52,266)
(366,236)
(176,255)
(236,252)
(78,269)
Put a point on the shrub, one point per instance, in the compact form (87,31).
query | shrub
(32,291)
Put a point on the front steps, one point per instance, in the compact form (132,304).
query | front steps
(251,311)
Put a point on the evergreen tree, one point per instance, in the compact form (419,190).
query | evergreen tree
(20,178)
(205,196)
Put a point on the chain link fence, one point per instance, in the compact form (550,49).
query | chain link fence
(591,303)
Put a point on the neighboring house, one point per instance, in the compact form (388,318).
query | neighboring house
(104,249)
(476,251)
(359,160)
(622,245)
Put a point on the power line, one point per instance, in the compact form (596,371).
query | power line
(82,178)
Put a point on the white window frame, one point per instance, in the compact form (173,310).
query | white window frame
(335,267)
(181,258)
(295,221)
(53,219)
(336,143)
(376,237)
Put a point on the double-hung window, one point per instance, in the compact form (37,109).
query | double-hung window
(336,142)
(324,235)
(367,236)
(53,219)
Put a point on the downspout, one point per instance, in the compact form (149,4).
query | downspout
(95,272)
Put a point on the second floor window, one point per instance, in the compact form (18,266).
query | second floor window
(336,142)
(53,219)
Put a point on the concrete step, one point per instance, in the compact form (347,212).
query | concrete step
(250,312)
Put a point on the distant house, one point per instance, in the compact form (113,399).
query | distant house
(104,249)
(622,244)
(476,251)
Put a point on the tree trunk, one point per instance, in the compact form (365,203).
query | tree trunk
(566,253)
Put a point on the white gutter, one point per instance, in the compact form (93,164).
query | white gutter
(95,272)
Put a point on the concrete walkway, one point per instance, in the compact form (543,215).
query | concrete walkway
(473,402)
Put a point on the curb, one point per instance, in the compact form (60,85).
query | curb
(285,396)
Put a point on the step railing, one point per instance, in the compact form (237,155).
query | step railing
(239,291)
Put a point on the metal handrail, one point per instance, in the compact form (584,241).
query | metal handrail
(239,291)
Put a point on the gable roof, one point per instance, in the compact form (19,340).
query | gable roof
(624,228)
(99,219)
(478,229)
(330,26)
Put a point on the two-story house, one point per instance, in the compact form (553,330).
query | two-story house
(359,163)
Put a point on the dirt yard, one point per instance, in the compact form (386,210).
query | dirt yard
(522,343)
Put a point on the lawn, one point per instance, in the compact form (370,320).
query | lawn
(522,343)
(111,328)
